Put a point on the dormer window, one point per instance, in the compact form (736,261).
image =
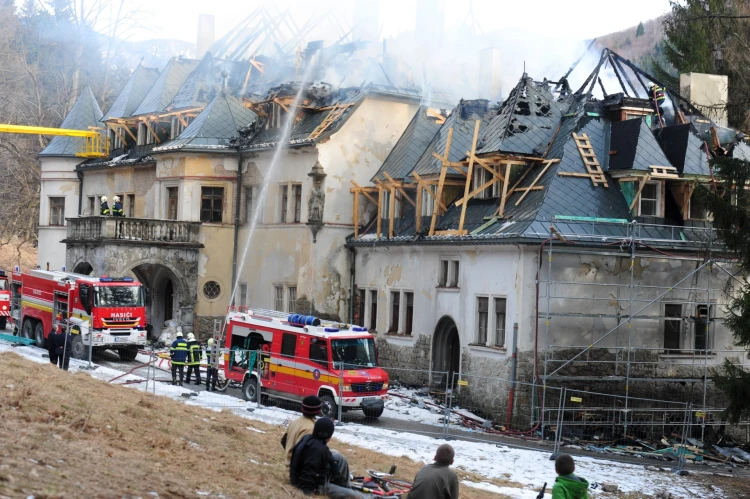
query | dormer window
(649,204)
(178,126)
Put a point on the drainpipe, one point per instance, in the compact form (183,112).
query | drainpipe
(513,364)
(80,192)
(236,223)
(352,274)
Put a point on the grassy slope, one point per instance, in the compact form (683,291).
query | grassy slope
(69,435)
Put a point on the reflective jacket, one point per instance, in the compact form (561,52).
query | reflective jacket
(658,94)
(117,210)
(104,209)
(195,353)
(179,352)
(212,355)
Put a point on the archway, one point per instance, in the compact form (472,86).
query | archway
(84,268)
(165,295)
(446,349)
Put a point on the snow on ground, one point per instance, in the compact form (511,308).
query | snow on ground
(528,468)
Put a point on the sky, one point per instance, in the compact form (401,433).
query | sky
(570,20)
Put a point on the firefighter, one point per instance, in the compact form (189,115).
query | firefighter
(195,353)
(212,372)
(117,208)
(63,341)
(104,209)
(658,97)
(179,354)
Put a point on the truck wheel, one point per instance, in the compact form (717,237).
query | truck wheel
(77,349)
(250,389)
(3,322)
(373,413)
(39,334)
(128,353)
(329,408)
(27,330)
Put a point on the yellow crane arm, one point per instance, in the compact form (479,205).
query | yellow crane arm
(41,130)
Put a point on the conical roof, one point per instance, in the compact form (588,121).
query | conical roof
(85,113)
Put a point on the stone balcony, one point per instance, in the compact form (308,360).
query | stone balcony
(132,231)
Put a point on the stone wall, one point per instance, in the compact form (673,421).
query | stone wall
(409,365)
(204,326)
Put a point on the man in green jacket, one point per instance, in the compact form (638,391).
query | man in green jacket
(567,485)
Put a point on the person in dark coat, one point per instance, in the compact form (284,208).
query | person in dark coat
(315,469)
(212,359)
(52,345)
(63,341)
(178,352)
(195,354)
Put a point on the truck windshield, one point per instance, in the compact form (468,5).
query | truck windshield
(118,296)
(3,285)
(353,353)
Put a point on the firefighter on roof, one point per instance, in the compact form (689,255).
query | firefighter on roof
(195,353)
(104,210)
(658,97)
(117,208)
(179,354)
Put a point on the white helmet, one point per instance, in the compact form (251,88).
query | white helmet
(116,199)
(210,342)
(104,199)
(191,337)
(178,334)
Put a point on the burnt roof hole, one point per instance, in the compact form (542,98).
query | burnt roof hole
(542,109)
(515,127)
(522,108)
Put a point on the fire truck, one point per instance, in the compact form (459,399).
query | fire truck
(104,312)
(4,300)
(300,356)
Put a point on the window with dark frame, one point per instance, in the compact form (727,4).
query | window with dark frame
(288,344)
(483,309)
(297,192)
(672,327)
(408,325)
(454,274)
(499,322)
(57,211)
(701,327)
(373,310)
(650,200)
(362,295)
(212,204)
(291,304)
(319,352)
(443,277)
(278,298)
(395,305)
(284,203)
(92,206)
(172,203)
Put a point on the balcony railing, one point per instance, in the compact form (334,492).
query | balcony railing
(94,229)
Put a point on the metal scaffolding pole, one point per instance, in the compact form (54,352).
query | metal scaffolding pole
(630,323)
(708,343)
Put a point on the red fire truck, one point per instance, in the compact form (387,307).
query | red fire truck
(300,356)
(4,300)
(111,310)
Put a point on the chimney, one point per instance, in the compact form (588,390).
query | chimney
(709,93)
(205,35)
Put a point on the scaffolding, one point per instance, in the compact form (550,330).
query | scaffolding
(627,354)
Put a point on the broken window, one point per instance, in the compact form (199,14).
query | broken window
(650,200)
(57,211)
(178,127)
(114,140)
(428,203)
(672,327)
(172,203)
(297,193)
(212,204)
(697,208)
(373,309)
(482,316)
(284,203)
(395,306)
(291,304)
(142,132)
(278,298)
(409,299)
(701,327)
(499,322)
(443,277)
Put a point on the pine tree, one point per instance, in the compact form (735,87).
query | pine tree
(730,205)
(640,31)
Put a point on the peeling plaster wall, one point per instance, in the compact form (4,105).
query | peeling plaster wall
(58,179)
(283,254)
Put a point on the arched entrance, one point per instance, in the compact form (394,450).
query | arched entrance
(164,295)
(446,349)
(84,268)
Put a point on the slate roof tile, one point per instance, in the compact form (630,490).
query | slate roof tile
(166,86)
(84,113)
(133,93)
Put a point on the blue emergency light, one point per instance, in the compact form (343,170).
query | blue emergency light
(332,330)
(303,320)
(359,329)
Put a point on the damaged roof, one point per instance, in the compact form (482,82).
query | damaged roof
(213,128)
(166,86)
(206,80)
(412,144)
(85,113)
(634,147)
(684,150)
(133,93)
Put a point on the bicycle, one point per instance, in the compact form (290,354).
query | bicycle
(382,484)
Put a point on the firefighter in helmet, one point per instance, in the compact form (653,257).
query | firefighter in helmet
(658,97)
(178,352)
(195,353)
(117,208)
(212,359)
(104,210)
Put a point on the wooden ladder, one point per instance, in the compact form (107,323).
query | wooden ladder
(332,116)
(590,161)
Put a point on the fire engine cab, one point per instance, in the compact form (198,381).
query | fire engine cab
(104,312)
(4,300)
(300,356)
